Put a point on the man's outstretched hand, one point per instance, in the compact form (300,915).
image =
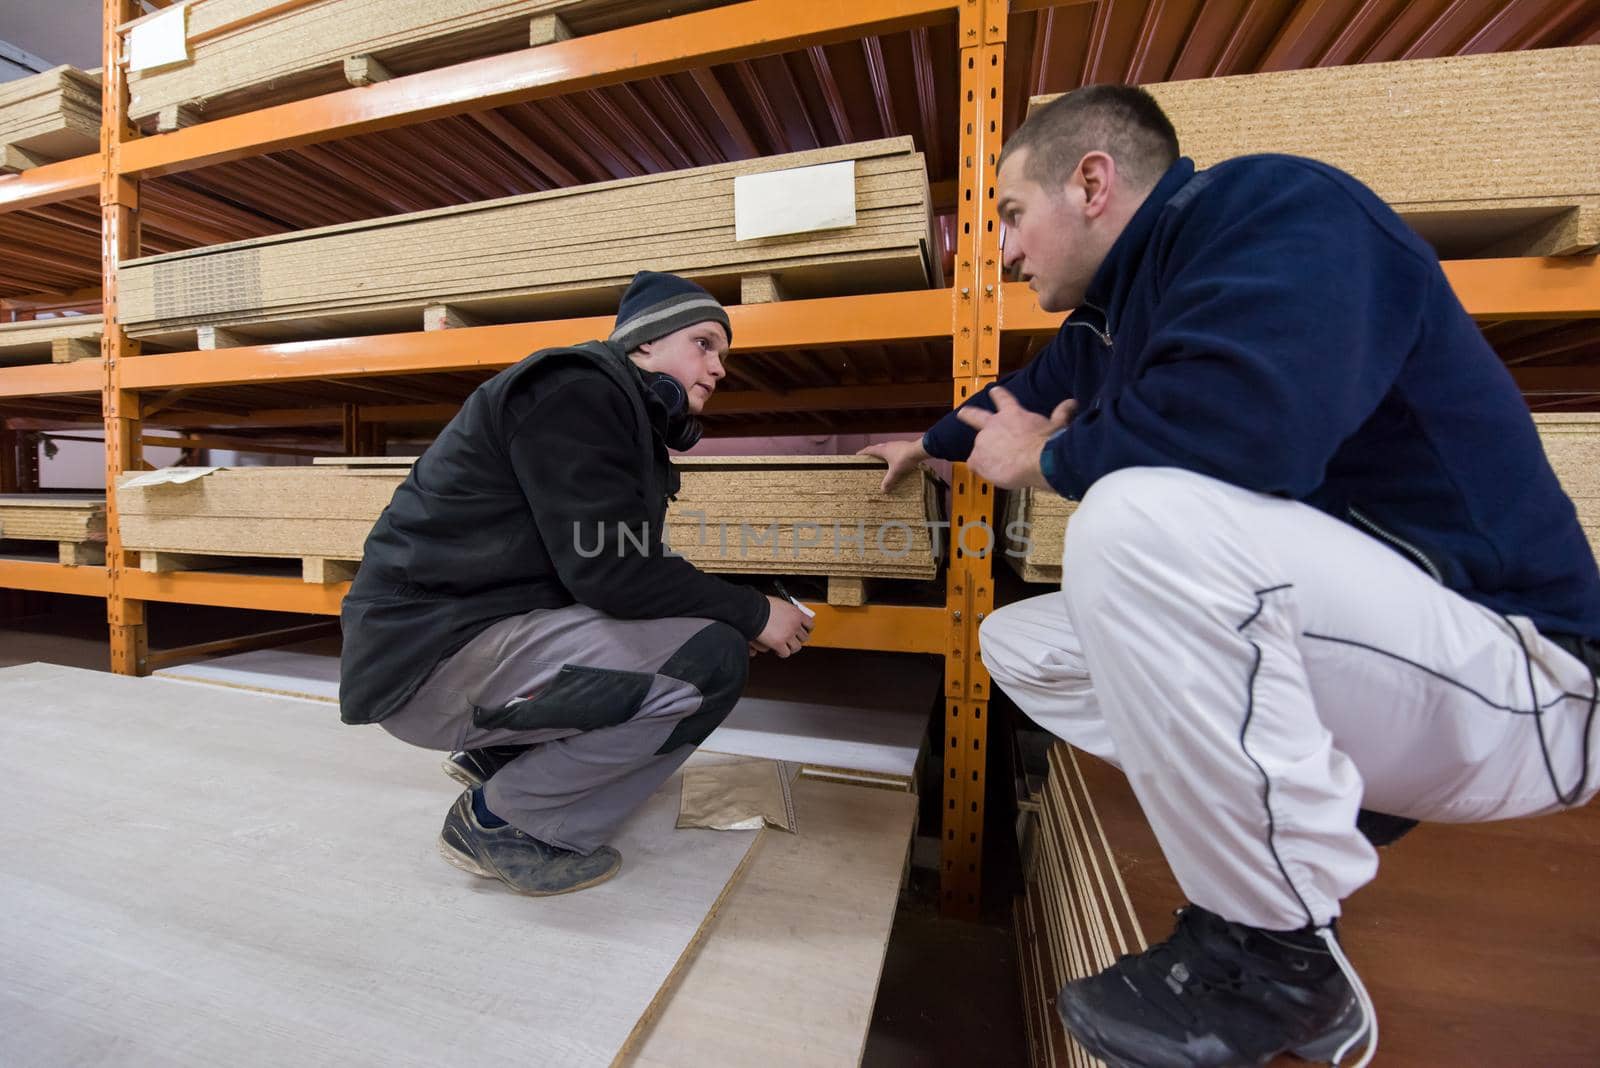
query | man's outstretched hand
(1011,438)
(903,456)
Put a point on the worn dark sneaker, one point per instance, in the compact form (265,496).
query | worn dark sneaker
(1216,995)
(474,767)
(517,859)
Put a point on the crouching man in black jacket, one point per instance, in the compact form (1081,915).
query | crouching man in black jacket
(516,606)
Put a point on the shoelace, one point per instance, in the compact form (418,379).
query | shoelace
(1369,1013)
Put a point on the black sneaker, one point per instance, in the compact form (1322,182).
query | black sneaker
(474,767)
(517,859)
(1216,995)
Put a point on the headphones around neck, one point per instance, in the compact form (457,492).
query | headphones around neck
(683,429)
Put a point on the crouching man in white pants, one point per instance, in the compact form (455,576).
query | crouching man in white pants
(1321,563)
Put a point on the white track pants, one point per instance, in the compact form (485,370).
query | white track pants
(1260,671)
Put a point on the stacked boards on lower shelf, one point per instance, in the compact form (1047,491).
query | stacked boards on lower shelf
(752,514)
(76,523)
(59,340)
(1036,520)
(1501,909)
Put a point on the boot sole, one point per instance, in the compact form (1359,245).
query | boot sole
(467,863)
(461,775)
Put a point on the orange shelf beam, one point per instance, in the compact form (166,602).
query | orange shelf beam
(881,627)
(889,628)
(789,324)
(50,184)
(43,379)
(1555,287)
(757,28)
(44,577)
(273,593)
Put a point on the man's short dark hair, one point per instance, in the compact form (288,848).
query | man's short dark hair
(1123,121)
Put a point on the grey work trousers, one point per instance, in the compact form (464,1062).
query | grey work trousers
(610,708)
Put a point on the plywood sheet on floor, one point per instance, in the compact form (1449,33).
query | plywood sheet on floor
(872,734)
(197,876)
(789,969)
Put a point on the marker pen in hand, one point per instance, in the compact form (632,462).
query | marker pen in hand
(777,585)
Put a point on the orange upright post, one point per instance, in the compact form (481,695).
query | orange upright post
(974,540)
(119,236)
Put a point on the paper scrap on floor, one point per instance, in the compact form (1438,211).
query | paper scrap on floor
(737,795)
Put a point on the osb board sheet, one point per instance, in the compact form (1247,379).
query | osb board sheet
(333,539)
(274,894)
(1035,533)
(561,241)
(1461,128)
(299,51)
(301,492)
(724,520)
(55,115)
(43,517)
(31,339)
(788,971)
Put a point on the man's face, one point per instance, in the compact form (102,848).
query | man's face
(693,356)
(1048,235)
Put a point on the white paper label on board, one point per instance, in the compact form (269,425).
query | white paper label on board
(160,40)
(165,476)
(794,201)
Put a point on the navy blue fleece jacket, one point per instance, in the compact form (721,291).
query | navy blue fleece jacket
(1270,322)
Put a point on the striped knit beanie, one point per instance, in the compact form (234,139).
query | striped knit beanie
(657,304)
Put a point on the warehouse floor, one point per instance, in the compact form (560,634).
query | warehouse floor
(948,995)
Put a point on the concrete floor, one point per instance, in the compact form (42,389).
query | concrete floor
(949,993)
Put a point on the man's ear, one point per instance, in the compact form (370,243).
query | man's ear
(1097,172)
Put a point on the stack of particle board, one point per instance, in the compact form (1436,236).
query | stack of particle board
(563,252)
(48,117)
(324,512)
(1036,530)
(802,515)
(314,514)
(1483,155)
(1572,442)
(76,523)
(248,53)
(59,340)
(1084,905)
